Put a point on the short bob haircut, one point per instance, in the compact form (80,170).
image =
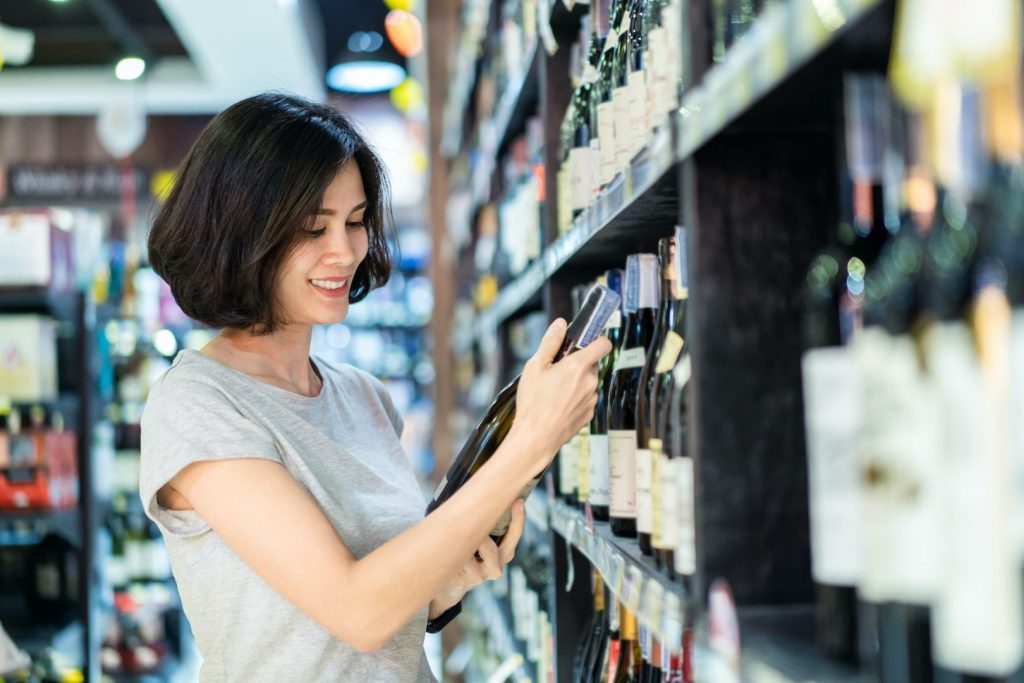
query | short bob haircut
(248,189)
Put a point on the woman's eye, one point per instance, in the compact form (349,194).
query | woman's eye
(354,225)
(316,233)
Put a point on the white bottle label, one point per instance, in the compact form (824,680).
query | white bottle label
(579,173)
(583,464)
(631,358)
(594,175)
(644,501)
(606,135)
(567,468)
(832,418)
(668,492)
(659,67)
(1016,420)
(899,467)
(622,472)
(623,137)
(669,352)
(638,129)
(598,469)
(976,620)
(564,201)
(686,541)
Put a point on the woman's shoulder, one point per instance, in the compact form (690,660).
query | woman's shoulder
(186,381)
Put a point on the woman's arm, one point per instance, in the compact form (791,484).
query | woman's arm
(272,522)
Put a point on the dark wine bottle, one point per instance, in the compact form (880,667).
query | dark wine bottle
(606,668)
(598,464)
(497,420)
(593,635)
(664,486)
(644,423)
(568,455)
(640,307)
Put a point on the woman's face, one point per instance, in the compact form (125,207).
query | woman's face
(315,279)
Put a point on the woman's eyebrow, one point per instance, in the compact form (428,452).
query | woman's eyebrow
(331,212)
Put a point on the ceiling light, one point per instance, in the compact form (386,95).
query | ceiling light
(365,76)
(130,68)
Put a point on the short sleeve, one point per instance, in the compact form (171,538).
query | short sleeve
(389,405)
(187,421)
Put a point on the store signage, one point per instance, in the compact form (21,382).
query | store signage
(39,183)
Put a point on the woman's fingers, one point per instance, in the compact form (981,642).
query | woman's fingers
(489,565)
(507,549)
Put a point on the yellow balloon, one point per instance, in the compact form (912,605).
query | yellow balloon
(407,95)
(407,5)
(161,183)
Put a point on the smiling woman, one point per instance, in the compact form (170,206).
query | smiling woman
(292,517)
(262,179)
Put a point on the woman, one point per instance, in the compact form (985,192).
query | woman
(293,520)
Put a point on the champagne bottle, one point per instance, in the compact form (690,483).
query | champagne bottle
(497,420)
(644,400)
(641,304)
(599,465)
(627,669)
(832,313)
(664,482)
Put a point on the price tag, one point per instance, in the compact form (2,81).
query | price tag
(650,605)
(570,534)
(632,588)
(617,574)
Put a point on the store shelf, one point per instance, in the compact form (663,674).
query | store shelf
(643,195)
(490,611)
(59,304)
(476,14)
(778,647)
(65,521)
(511,112)
(631,576)
(783,39)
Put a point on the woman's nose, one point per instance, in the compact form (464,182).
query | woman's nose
(342,251)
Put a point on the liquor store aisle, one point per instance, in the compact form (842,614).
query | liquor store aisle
(799,224)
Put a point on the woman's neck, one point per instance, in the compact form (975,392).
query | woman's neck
(280,359)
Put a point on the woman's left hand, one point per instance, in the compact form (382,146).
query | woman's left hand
(490,565)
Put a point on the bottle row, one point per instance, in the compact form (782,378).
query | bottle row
(912,374)
(38,459)
(631,464)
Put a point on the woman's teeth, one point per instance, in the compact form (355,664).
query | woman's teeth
(329,285)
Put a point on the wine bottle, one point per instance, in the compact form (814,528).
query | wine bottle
(832,313)
(898,447)
(976,616)
(599,465)
(644,423)
(605,96)
(580,156)
(636,80)
(568,455)
(595,655)
(640,308)
(621,99)
(497,420)
(627,668)
(663,491)
(608,666)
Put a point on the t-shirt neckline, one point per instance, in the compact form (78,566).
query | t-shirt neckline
(193,353)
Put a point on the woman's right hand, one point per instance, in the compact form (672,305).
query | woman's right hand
(555,400)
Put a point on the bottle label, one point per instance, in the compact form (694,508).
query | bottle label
(976,620)
(614,320)
(606,136)
(1016,402)
(669,352)
(657,522)
(594,174)
(644,503)
(686,541)
(832,419)
(659,67)
(668,497)
(623,138)
(583,464)
(564,202)
(901,499)
(681,372)
(567,468)
(638,131)
(631,358)
(598,469)
(622,472)
(579,174)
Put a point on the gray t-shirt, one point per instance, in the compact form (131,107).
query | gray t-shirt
(343,446)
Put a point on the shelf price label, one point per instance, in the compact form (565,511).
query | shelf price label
(652,599)
(631,589)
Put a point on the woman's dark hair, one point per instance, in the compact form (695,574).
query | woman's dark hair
(248,189)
